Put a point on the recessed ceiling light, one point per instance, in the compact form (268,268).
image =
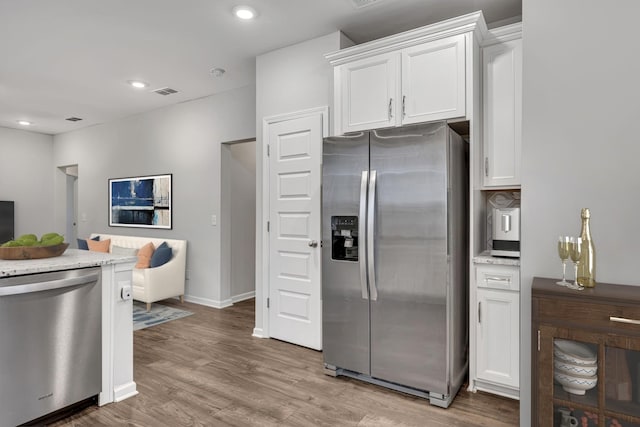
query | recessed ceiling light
(24,122)
(138,84)
(218,72)
(245,12)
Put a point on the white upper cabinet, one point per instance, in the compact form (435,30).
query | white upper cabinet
(502,107)
(433,81)
(369,92)
(417,76)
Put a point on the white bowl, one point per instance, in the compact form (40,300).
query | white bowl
(575,385)
(572,369)
(574,352)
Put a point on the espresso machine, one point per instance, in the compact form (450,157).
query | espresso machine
(506,232)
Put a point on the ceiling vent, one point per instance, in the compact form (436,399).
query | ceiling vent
(73,119)
(364,3)
(165,91)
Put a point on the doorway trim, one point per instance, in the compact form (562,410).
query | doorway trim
(71,202)
(226,298)
(264,282)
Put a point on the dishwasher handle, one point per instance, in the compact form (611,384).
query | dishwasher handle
(49,285)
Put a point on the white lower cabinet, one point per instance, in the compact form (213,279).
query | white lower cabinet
(497,330)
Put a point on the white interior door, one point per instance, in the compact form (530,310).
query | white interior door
(295,156)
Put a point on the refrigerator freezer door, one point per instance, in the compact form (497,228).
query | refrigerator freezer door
(409,318)
(345,303)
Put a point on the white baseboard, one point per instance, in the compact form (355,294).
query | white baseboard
(124,391)
(258,333)
(510,392)
(242,297)
(209,302)
(220,304)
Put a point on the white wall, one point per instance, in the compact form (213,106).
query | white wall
(291,79)
(243,218)
(183,140)
(580,94)
(26,177)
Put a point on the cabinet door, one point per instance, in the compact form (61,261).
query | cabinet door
(433,80)
(621,366)
(368,93)
(603,393)
(561,386)
(502,102)
(498,337)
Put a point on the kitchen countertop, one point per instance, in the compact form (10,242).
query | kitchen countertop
(486,258)
(70,259)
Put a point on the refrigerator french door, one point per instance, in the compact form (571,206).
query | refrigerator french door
(394,234)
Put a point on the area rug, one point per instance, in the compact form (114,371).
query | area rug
(159,314)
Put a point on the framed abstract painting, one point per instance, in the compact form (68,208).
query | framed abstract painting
(143,201)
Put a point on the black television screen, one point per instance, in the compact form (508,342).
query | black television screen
(6,221)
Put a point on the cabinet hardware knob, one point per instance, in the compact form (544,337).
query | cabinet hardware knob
(624,320)
(313,243)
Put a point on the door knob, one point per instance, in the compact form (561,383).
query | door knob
(313,243)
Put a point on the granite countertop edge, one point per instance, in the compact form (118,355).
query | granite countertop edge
(70,259)
(486,258)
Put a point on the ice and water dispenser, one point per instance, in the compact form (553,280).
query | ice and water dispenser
(344,238)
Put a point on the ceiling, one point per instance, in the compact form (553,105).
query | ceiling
(73,58)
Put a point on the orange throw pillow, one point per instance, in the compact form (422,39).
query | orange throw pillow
(99,246)
(144,255)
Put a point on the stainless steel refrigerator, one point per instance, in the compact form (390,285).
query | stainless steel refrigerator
(395,259)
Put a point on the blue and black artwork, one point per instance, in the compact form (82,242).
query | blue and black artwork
(141,201)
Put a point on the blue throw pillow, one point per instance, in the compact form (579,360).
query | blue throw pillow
(82,243)
(161,255)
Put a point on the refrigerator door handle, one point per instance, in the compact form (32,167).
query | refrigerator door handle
(362,234)
(371,227)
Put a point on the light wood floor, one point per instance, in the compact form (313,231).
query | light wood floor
(207,370)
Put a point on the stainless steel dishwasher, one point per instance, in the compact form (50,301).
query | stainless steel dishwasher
(50,342)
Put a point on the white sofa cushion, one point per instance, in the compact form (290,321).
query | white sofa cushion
(119,250)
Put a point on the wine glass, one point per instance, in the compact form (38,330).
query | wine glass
(575,252)
(563,252)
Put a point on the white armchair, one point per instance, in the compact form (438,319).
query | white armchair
(157,283)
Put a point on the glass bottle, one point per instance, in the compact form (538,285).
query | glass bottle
(587,266)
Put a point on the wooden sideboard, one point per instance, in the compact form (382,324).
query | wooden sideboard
(607,320)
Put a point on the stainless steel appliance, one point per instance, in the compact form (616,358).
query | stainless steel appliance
(50,335)
(394,259)
(506,232)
